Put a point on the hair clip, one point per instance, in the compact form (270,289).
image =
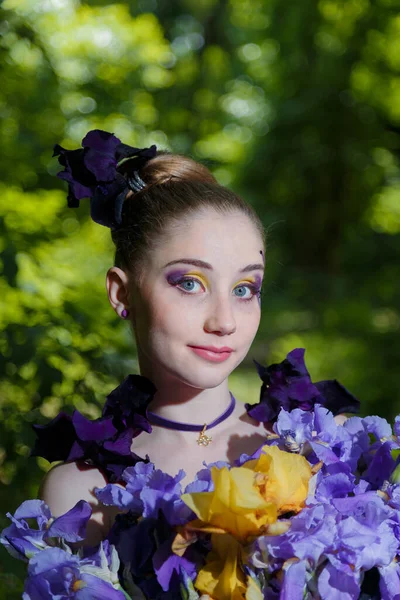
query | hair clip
(135,182)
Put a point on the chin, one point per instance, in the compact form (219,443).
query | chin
(200,378)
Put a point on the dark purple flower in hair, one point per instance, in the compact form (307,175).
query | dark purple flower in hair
(100,154)
(104,442)
(92,172)
(288,385)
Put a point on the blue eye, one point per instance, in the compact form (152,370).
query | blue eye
(190,282)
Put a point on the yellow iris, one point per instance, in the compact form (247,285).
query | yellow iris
(281,478)
(222,576)
(245,503)
(235,506)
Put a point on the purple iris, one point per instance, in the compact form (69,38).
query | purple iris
(149,491)
(389,583)
(23,541)
(55,573)
(294,581)
(91,172)
(288,385)
(144,547)
(146,544)
(105,442)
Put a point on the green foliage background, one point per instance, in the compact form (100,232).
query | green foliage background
(295,105)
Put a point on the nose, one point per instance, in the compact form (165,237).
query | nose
(220,318)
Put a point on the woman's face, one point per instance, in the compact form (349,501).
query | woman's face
(212,304)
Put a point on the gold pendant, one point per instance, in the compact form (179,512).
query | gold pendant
(203,439)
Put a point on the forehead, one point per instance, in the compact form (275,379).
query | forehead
(223,240)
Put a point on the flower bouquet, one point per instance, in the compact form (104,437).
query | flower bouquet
(313,514)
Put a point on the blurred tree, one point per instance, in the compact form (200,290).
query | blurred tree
(294,105)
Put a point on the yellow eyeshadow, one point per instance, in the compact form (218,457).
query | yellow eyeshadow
(206,282)
(199,275)
(249,280)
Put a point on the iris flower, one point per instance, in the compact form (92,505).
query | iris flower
(246,502)
(55,573)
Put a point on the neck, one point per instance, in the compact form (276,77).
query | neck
(178,401)
(196,406)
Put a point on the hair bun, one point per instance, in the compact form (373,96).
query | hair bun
(167,167)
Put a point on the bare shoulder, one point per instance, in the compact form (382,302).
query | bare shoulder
(67,483)
(341,418)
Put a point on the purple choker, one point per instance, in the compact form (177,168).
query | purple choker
(203,439)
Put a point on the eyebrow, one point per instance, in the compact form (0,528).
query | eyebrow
(200,263)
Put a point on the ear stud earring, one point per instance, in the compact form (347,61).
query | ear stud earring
(124,313)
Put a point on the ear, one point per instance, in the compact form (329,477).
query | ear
(117,284)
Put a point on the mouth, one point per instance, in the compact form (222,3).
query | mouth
(213,349)
(214,356)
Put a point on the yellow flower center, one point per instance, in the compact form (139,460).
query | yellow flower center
(78,585)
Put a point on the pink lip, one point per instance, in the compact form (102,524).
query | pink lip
(214,348)
(209,355)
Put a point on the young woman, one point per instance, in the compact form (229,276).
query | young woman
(188,272)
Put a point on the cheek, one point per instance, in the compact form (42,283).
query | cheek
(174,316)
(170,318)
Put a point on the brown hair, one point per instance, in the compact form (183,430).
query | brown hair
(176,186)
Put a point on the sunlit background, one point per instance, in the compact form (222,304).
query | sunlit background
(295,105)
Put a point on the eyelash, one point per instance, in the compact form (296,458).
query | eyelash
(254,289)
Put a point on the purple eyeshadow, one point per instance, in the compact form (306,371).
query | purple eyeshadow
(176,275)
(257,281)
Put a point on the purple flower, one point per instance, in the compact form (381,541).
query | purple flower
(128,498)
(105,442)
(378,426)
(100,149)
(334,482)
(285,385)
(311,532)
(365,533)
(294,581)
(336,398)
(295,428)
(147,492)
(55,573)
(145,549)
(163,493)
(332,442)
(23,541)
(80,180)
(92,172)
(381,467)
(338,583)
(145,545)
(203,481)
(389,583)
(392,494)
(166,563)
(288,385)
(71,526)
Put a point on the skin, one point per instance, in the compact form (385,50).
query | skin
(221,308)
(166,317)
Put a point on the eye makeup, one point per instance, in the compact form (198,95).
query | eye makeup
(179,276)
(176,276)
